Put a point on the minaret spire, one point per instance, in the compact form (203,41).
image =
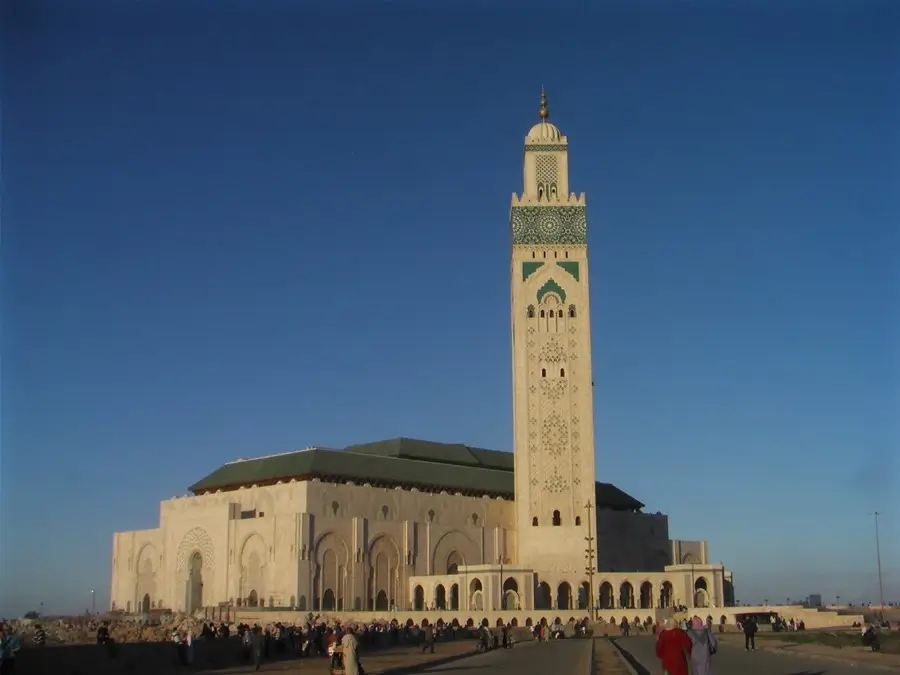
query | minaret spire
(544,111)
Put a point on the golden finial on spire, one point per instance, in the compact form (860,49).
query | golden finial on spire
(544,111)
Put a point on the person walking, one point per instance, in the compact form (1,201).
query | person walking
(428,634)
(703,645)
(750,628)
(350,650)
(673,648)
(256,646)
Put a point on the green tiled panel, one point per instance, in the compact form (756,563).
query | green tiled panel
(545,148)
(549,225)
(530,268)
(570,267)
(551,287)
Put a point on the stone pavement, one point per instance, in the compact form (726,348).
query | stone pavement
(733,660)
(608,660)
(375,662)
(558,657)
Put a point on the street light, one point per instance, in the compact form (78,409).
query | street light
(878,560)
(93,602)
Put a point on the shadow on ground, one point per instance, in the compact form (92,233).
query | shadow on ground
(424,667)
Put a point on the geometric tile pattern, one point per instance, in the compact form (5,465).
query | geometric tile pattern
(549,225)
(546,148)
(545,170)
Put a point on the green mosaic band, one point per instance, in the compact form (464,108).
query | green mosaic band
(549,225)
(546,148)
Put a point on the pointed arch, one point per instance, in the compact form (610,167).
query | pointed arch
(453,540)
(253,556)
(332,556)
(146,572)
(550,286)
(196,539)
(383,559)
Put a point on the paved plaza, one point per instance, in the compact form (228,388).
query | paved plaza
(562,657)
(733,660)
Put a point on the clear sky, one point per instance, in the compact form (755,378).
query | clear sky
(241,231)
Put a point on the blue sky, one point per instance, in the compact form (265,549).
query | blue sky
(241,231)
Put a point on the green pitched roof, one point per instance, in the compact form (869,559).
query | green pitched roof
(437,453)
(398,461)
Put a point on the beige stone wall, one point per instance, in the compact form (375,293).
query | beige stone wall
(689,552)
(287,544)
(553,407)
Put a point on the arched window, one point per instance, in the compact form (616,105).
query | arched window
(578,520)
(543,372)
(534,522)
(530,312)
(553,192)
(571,311)
(562,372)
(557,521)
(542,314)
(541,191)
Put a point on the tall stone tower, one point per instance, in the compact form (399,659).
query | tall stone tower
(552,398)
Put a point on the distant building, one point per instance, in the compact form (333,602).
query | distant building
(815,600)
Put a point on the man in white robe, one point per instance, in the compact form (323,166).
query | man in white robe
(349,648)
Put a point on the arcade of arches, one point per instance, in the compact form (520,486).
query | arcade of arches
(443,593)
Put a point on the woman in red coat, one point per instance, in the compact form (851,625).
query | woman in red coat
(673,648)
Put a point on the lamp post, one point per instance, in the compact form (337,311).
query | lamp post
(878,561)
(589,554)
(93,602)
(838,601)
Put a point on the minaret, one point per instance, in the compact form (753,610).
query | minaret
(552,399)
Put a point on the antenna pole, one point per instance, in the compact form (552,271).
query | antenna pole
(878,560)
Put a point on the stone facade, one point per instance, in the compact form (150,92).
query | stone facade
(447,528)
(324,546)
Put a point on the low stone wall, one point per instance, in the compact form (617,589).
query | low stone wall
(811,617)
(263,617)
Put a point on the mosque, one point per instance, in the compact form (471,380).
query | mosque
(422,528)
